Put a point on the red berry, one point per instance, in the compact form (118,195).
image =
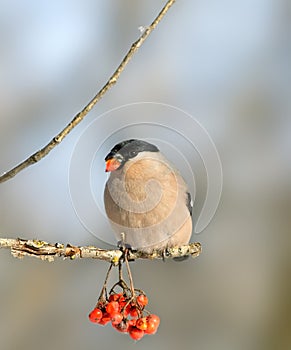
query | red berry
(151,327)
(142,300)
(122,298)
(135,333)
(154,318)
(141,323)
(116,319)
(121,303)
(121,327)
(133,311)
(115,297)
(112,307)
(153,322)
(95,315)
(132,322)
(105,319)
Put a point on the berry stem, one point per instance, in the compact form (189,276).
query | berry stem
(104,288)
(129,274)
(120,271)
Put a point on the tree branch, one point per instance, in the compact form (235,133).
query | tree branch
(37,156)
(47,251)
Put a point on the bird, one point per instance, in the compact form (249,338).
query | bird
(146,199)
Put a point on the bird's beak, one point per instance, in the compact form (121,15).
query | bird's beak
(112,164)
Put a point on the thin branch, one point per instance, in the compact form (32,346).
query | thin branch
(47,251)
(37,156)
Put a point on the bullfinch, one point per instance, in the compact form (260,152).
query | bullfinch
(146,199)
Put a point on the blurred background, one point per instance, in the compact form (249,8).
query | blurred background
(227,63)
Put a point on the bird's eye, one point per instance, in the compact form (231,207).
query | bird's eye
(132,154)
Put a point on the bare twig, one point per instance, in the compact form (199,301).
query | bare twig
(47,251)
(37,156)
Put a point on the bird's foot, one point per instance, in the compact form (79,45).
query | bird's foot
(122,246)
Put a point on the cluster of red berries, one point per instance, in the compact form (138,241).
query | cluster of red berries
(126,314)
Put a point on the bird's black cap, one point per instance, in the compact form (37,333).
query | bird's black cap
(130,148)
